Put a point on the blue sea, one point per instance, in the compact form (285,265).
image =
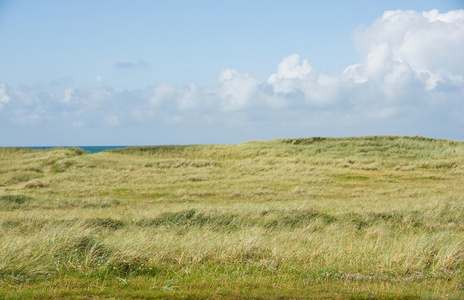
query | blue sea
(91,149)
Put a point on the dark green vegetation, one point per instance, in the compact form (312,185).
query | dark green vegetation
(371,217)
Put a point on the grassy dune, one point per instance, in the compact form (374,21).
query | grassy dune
(371,217)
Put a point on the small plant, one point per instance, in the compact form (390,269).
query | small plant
(62,165)
(16,199)
(13,201)
(10,224)
(107,223)
(83,250)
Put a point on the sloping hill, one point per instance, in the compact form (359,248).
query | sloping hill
(376,216)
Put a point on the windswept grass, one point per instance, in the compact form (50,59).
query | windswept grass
(371,217)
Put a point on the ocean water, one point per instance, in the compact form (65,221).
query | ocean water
(91,149)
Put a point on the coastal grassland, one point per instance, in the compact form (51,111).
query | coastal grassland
(370,217)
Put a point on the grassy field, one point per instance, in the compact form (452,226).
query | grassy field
(372,217)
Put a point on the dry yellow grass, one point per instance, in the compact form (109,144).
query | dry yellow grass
(331,218)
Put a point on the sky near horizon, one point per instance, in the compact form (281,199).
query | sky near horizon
(83,73)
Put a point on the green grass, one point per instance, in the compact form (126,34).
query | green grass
(371,217)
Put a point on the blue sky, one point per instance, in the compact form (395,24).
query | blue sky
(189,72)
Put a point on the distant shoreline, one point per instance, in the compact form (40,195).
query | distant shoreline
(91,149)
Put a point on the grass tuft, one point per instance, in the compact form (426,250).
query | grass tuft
(106,223)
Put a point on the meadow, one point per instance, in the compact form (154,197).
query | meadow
(323,218)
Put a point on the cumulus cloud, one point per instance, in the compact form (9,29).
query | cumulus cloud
(236,89)
(302,82)
(289,70)
(427,46)
(410,72)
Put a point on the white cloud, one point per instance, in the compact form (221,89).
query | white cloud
(352,73)
(236,89)
(68,93)
(187,98)
(293,78)
(289,74)
(91,98)
(429,42)
(162,93)
(289,68)
(4,98)
(410,72)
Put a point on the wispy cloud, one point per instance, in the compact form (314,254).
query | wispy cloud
(131,65)
(4,98)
